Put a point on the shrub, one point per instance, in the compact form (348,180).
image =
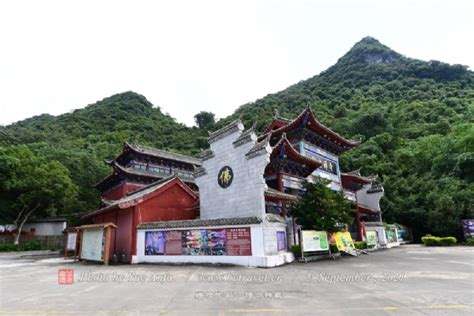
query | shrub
(360,245)
(470,241)
(447,241)
(296,249)
(30,245)
(8,247)
(430,240)
(438,241)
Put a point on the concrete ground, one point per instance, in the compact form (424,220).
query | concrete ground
(410,280)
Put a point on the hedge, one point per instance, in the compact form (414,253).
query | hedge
(360,245)
(470,241)
(438,241)
(31,245)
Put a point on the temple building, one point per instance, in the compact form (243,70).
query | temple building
(246,183)
(366,193)
(137,166)
(313,140)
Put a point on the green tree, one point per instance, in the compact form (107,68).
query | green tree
(33,186)
(204,119)
(320,208)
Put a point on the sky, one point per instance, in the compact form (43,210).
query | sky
(192,56)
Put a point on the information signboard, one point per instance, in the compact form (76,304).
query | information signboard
(468,228)
(281,240)
(314,241)
(174,242)
(344,241)
(371,238)
(238,241)
(92,247)
(71,240)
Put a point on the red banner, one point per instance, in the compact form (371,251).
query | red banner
(238,241)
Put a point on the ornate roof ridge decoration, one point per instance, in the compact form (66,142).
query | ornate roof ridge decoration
(280,196)
(375,188)
(199,172)
(155,152)
(259,148)
(246,136)
(207,154)
(312,163)
(235,221)
(226,130)
(109,161)
(305,118)
(278,117)
(107,202)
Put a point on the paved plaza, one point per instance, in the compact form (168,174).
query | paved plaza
(409,280)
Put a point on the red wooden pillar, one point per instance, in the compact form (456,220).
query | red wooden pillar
(360,233)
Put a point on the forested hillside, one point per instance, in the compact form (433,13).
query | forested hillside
(416,119)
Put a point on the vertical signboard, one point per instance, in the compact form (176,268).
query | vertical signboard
(92,247)
(468,228)
(174,242)
(371,238)
(281,240)
(71,241)
(238,241)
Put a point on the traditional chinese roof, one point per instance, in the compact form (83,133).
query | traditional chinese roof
(308,119)
(126,171)
(235,221)
(284,150)
(247,136)
(366,209)
(155,152)
(207,154)
(259,148)
(277,122)
(231,128)
(275,195)
(143,194)
(354,181)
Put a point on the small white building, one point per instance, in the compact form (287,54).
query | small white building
(46,227)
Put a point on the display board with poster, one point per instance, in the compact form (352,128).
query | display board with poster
(371,238)
(174,243)
(199,242)
(92,247)
(155,243)
(314,241)
(281,240)
(71,241)
(238,241)
(468,228)
(391,235)
(95,241)
(344,241)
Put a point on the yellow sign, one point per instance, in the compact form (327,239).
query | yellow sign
(344,241)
